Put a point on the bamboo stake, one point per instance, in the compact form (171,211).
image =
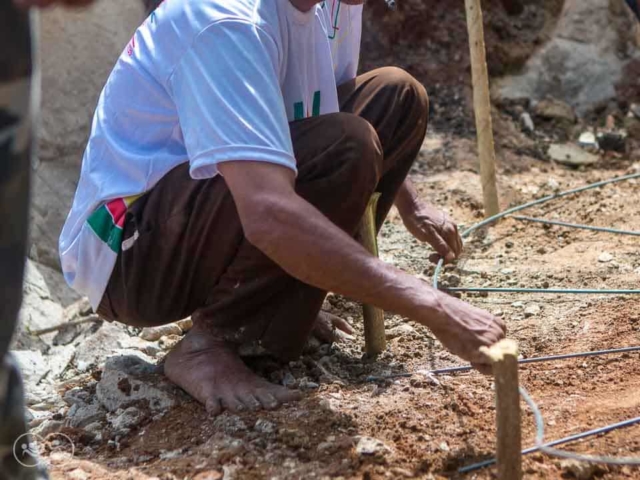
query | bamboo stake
(504,357)
(482,107)
(374,336)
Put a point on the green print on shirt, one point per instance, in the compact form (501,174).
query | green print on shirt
(335,13)
(299,110)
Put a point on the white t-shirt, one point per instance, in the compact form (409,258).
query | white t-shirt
(201,82)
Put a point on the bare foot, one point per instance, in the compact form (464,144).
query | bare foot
(211,371)
(329,328)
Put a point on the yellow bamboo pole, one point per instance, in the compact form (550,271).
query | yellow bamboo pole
(374,335)
(482,107)
(504,358)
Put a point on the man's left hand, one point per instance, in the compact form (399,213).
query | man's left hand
(428,224)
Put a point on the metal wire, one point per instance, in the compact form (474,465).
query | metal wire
(562,453)
(533,203)
(575,225)
(561,441)
(577,291)
(550,358)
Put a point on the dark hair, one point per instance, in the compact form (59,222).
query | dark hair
(151,5)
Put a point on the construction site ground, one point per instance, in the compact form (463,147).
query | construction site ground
(431,427)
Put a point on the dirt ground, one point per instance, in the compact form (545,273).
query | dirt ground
(433,427)
(430,427)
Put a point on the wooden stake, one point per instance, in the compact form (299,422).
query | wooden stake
(482,107)
(504,357)
(374,336)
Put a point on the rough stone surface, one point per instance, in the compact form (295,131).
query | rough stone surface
(126,419)
(552,109)
(121,387)
(572,155)
(77,50)
(399,331)
(81,415)
(579,470)
(584,59)
(371,447)
(111,339)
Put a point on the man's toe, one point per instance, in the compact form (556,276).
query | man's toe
(284,395)
(251,402)
(234,404)
(213,406)
(268,401)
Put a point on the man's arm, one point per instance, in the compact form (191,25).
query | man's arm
(300,239)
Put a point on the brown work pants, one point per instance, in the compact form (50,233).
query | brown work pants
(191,256)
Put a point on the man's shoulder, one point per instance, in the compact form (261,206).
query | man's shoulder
(201,14)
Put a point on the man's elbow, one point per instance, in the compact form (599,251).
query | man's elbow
(263,224)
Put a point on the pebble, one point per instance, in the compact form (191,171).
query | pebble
(399,331)
(580,470)
(531,310)
(509,244)
(572,155)
(444,447)
(209,475)
(371,447)
(517,304)
(265,426)
(527,122)
(289,380)
(605,257)
(154,334)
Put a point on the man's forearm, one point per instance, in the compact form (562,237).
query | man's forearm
(312,249)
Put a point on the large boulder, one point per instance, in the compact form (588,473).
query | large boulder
(78,49)
(584,60)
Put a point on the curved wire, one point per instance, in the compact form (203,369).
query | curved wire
(533,203)
(563,453)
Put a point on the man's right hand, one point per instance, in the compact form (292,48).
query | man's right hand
(463,329)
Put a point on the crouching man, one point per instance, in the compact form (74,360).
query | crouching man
(232,156)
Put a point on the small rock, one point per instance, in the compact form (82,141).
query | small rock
(552,109)
(588,140)
(77,474)
(81,415)
(127,419)
(229,424)
(119,388)
(402,472)
(289,380)
(605,257)
(209,475)
(517,304)
(371,447)
(169,341)
(579,470)
(509,244)
(613,141)
(48,427)
(154,334)
(527,123)
(572,155)
(186,324)
(531,310)
(452,279)
(306,384)
(399,331)
(265,426)
(444,447)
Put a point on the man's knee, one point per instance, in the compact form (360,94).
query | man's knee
(363,154)
(412,93)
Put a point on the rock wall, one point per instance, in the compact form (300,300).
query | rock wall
(584,60)
(77,51)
